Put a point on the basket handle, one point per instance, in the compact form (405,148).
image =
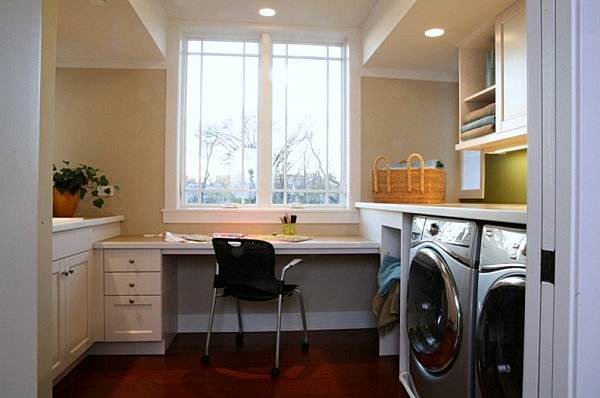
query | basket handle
(387,174)
(409,168)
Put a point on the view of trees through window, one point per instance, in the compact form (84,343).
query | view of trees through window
(220,153)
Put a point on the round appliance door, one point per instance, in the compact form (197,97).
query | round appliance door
(500,339)
(433,316)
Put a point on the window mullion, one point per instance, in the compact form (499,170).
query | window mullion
(264,177)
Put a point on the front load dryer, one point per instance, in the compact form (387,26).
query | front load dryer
(440,307)
(501,312)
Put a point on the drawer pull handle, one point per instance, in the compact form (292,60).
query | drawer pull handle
(131,284)
(65,273)
(131,301)
(71,270)
(131,261)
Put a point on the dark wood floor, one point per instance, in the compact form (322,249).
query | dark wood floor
(342,363)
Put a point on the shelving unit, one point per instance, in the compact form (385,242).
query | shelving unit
(506,35)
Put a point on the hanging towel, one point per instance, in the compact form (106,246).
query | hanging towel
(387,308)
(478,123)
(487,110)
(478,132)
(389,271)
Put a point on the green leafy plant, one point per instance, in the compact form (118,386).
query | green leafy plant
(84,179)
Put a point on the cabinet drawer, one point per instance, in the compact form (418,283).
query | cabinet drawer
(132,318)
(131,260)
(131,283)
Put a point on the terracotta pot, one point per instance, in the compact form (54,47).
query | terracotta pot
(64,205)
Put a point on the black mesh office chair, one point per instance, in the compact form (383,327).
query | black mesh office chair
(246,271)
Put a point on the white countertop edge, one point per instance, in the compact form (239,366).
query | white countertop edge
(321,244)
(508,213)
(86,222)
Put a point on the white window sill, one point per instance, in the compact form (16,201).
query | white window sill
(258,216)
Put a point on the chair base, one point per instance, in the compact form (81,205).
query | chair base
(205,360)
(304,346)
(275,372)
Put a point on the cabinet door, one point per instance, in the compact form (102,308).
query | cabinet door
(77,281)
(58,322)
(511,68)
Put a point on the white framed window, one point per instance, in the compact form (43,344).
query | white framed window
(262,124)
(219,122)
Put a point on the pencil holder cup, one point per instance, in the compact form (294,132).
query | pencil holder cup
(289,229)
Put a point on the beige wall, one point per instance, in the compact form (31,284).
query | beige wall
(114,119)
(404,116)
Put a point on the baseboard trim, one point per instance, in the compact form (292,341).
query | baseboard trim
(194,323)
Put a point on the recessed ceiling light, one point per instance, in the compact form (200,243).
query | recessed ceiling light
(435,32)
(266,12)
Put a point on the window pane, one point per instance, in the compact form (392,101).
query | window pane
(335,51)
(252,48)
(307,127)
(192,123)
(279,49)
(307,133)
(223,47)
(307,50)
(221,125)
(334,161)
(278,129)
(194,46)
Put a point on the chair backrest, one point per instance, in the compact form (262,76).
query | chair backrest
(247,262)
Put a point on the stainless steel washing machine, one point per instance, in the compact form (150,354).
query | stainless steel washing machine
(441,308)
(501,312)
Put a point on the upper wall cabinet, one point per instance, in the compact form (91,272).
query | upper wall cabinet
(493,84)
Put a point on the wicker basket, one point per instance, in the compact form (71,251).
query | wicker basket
(407,185)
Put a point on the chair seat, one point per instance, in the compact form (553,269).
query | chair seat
(245,292)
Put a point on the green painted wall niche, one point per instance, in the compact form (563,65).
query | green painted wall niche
(505,178)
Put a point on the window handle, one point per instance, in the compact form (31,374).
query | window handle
(231,206)
(297,206)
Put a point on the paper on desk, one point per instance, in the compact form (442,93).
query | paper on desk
(173,237)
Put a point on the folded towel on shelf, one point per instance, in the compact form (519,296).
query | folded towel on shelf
(478,132)
(387,309)
(389,271)
(487,110)
(429,164)
(478,123)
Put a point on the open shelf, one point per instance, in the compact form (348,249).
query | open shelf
(495,141)
(487,95)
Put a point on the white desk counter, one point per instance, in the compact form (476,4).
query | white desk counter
(316,245)
(508,213)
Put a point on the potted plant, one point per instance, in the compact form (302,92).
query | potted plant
(72,183)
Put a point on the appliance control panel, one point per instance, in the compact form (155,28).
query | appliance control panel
(502,245)
(457,237)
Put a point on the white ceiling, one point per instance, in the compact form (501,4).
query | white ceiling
(115,32)
(407,48)
(330,13)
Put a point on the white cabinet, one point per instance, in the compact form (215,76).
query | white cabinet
(132,290)
(71,309)
(511,71)
(76,280)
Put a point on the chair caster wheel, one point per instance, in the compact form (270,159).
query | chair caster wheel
(205,360)
(275,372)
(239,337)
(304,346)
